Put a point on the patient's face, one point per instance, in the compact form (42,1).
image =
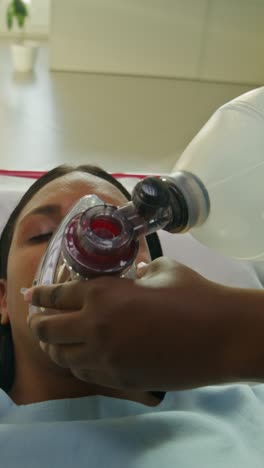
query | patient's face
(31,236)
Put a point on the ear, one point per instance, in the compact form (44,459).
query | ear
(3,302)
(143,252)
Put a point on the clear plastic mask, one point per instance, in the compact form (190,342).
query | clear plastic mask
(92,240)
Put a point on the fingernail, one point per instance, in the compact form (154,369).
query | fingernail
(44,346)
(141,269)
(31,311)
(27,293)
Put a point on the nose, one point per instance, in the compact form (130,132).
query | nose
(63,274)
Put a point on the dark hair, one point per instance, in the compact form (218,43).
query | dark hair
(7,361)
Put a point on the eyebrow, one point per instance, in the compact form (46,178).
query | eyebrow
(46,210)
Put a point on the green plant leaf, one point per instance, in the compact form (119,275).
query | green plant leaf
(9,16)
(20,8)
(20,20)
(16,9)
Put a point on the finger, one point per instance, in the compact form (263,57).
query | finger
(72,356)
(82,363)
(98,375)
(78,357)
(147,269)
(142,268)
(159,265)
(59,296)
(66,356)
(59,328)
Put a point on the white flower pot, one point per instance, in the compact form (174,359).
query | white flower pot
(24,56)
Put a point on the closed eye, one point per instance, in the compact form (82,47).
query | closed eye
(41,238)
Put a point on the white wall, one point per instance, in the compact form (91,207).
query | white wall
(37,24)
(122,123)
(219,40)
(210,49)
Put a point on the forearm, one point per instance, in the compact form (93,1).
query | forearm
(244,356)
(223,343)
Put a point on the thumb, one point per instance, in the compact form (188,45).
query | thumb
(142,269)
(152,268)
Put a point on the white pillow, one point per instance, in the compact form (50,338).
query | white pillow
(211,264)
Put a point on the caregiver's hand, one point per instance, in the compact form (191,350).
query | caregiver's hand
(181,332)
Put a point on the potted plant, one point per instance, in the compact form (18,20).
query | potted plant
(23,52)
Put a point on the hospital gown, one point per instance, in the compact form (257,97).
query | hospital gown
(210,427)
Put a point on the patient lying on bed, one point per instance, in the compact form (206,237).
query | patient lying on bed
(49,417)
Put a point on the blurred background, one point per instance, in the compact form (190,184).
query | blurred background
(125,84)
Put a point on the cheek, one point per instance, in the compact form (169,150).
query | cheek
(22,266)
